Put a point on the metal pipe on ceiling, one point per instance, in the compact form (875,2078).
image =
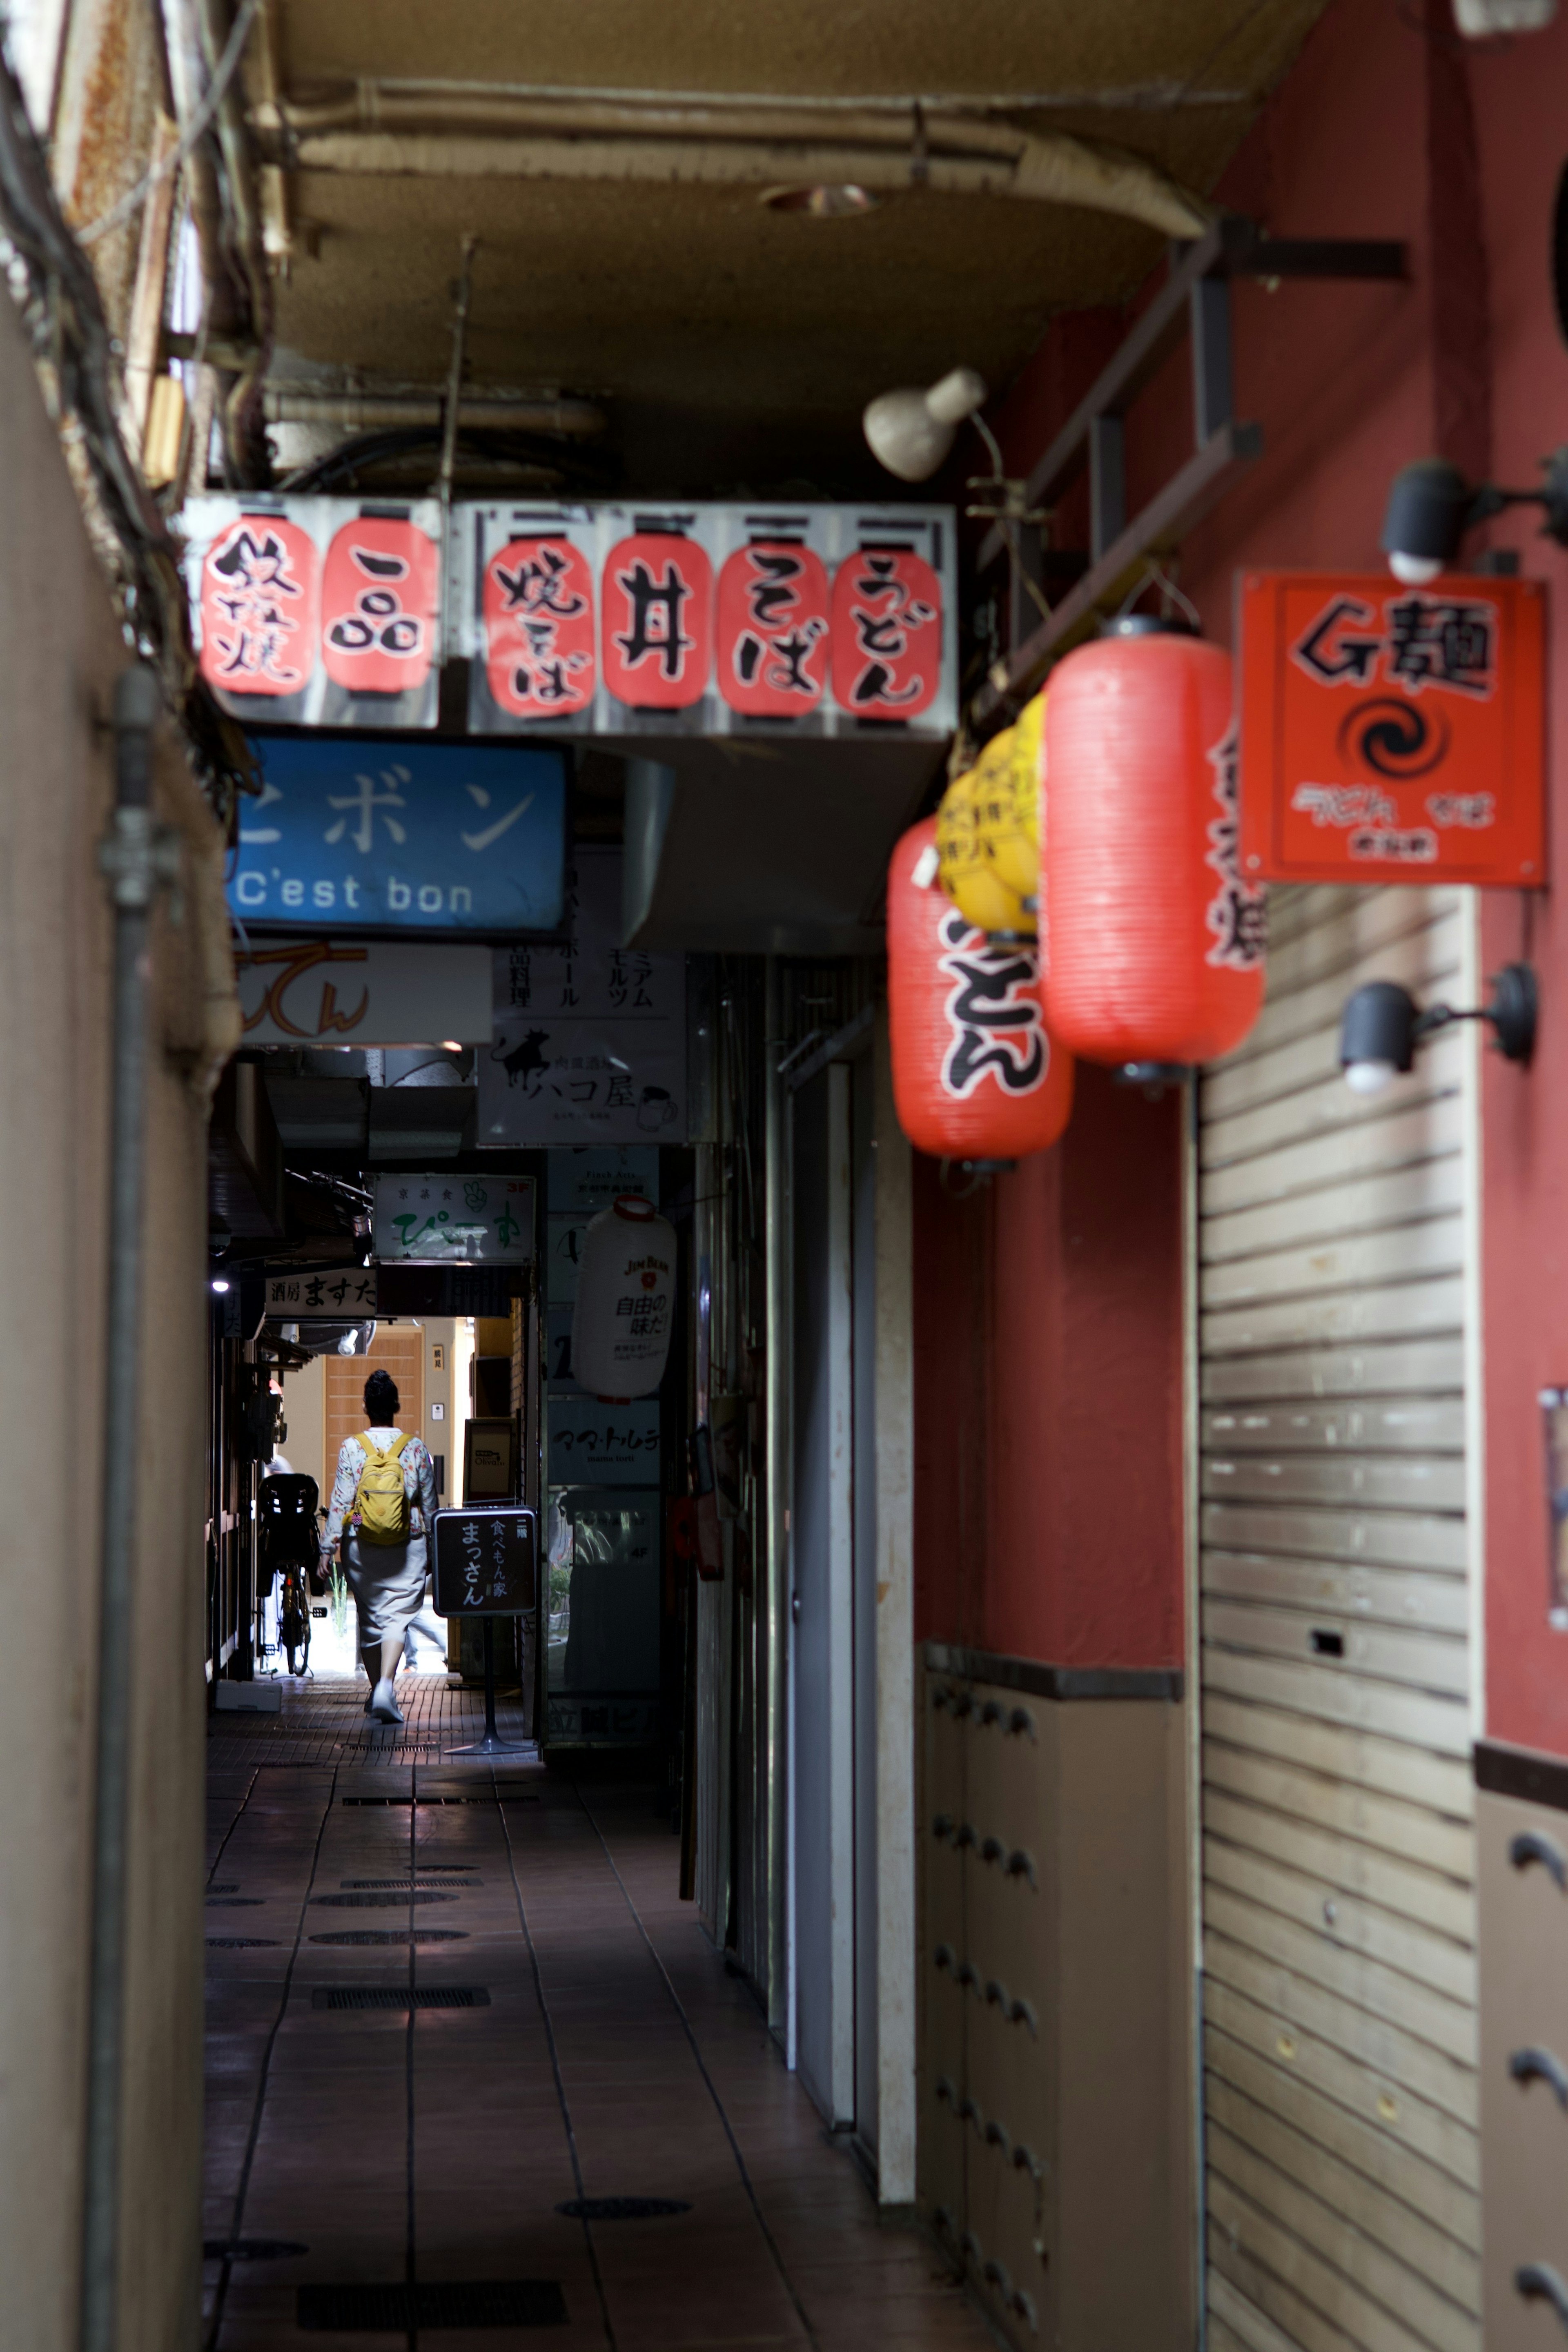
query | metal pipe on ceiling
(391,130)
(377,410)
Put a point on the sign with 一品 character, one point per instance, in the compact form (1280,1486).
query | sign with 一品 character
(452,1219)
(487,1562)
(351,835)
(1393,733)
(330,1292)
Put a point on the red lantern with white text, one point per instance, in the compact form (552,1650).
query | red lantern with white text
(975,1076)
(1152,944)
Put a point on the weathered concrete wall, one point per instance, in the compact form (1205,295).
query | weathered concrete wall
(61,650)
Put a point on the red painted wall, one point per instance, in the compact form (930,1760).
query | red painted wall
(1054,1304)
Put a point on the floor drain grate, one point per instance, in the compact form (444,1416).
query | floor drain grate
(436,1875)
(240,1943)
(418,1801)
(397,1997)
(234,1902)
(394,1935)
(252,2250)
(440,2302)
(385,1901)
(230,1887)
(622,2209)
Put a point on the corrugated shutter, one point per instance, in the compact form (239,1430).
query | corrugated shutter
(1338,1900)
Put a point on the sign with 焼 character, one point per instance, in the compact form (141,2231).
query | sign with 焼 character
(451,1219)
(317,612)
(352,834)
(333,1293)
(1393,733)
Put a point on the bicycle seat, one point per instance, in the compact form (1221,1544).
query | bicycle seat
(286,1515)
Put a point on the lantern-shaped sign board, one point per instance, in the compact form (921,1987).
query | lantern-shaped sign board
(967,865)
(626,1301)
(260,603)
(887,634)
(657,621)
(773,629)
(541,656)
(1153,944)
(380,606)
(976,1075)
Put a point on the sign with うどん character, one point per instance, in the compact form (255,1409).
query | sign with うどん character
(1393,733)
(451,1219)
(330,1293)
(354,834)
(362,992)
(590,1037)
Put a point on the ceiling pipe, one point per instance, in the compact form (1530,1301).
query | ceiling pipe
(398,131)
(378,411)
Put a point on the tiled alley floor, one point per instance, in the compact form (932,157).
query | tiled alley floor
(382,2174)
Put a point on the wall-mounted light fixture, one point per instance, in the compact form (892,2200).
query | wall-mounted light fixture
(1431,507)
(219,1283)
(910,432)
(1382,1025)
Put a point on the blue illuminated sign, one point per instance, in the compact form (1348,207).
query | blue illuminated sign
(375,833)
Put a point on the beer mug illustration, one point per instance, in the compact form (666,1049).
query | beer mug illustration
(657,1107)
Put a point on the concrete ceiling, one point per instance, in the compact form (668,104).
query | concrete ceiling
(734,345)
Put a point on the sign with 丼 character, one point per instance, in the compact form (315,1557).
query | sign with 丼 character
(351,835)
(487,1562)
(590,1037)
(1393,733)
(333,1292)
(462,1220)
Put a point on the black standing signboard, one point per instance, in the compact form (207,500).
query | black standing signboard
(486,1566)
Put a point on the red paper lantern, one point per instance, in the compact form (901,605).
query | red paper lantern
(379,605)
(887,634)
(260,599)
(773,630)
(975,1076)
(1152,944)
(539,659)
(657,599)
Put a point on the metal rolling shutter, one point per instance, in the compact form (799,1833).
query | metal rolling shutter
(1338,1904)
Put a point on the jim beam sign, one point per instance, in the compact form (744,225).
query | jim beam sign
(1393,734)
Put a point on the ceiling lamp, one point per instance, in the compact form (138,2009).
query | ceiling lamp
(911,432)
(1431,507)
(823,200)
(1382,1025)
(1478,19)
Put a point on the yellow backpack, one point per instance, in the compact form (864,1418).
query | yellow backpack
(380,1505)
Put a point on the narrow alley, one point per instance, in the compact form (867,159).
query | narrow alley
(472,2067)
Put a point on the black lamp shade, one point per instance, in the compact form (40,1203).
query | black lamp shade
(1378,1024)
(1427,504)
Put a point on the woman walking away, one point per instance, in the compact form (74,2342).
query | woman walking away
(383,1500)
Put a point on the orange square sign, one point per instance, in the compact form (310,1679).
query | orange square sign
(1393,734)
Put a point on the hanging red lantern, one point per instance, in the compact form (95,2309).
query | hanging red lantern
(1152,944)
(379,605)
(657,599)
(773,629)
(538,600)
(887,634)
(975,1076)
(260,601)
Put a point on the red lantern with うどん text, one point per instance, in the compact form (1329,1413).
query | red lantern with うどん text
(976,1075)
(261,582)
(887,634)
(537,608)
(655,604)
(1152,944)
(379,601)
(773,629)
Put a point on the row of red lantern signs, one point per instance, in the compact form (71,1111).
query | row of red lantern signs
(1094,886)
(711,620)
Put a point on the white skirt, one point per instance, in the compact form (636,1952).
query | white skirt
(387,1581)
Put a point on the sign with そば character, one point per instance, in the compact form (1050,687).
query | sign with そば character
(385,836)
(454,1220)
(1392,732)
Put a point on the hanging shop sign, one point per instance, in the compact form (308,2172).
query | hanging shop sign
(596,1445)
(396,836)
(591,1176)
(462,1220)
(589,1044)
(330,991)
(1391,733)
(328,1293)
(315,612)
